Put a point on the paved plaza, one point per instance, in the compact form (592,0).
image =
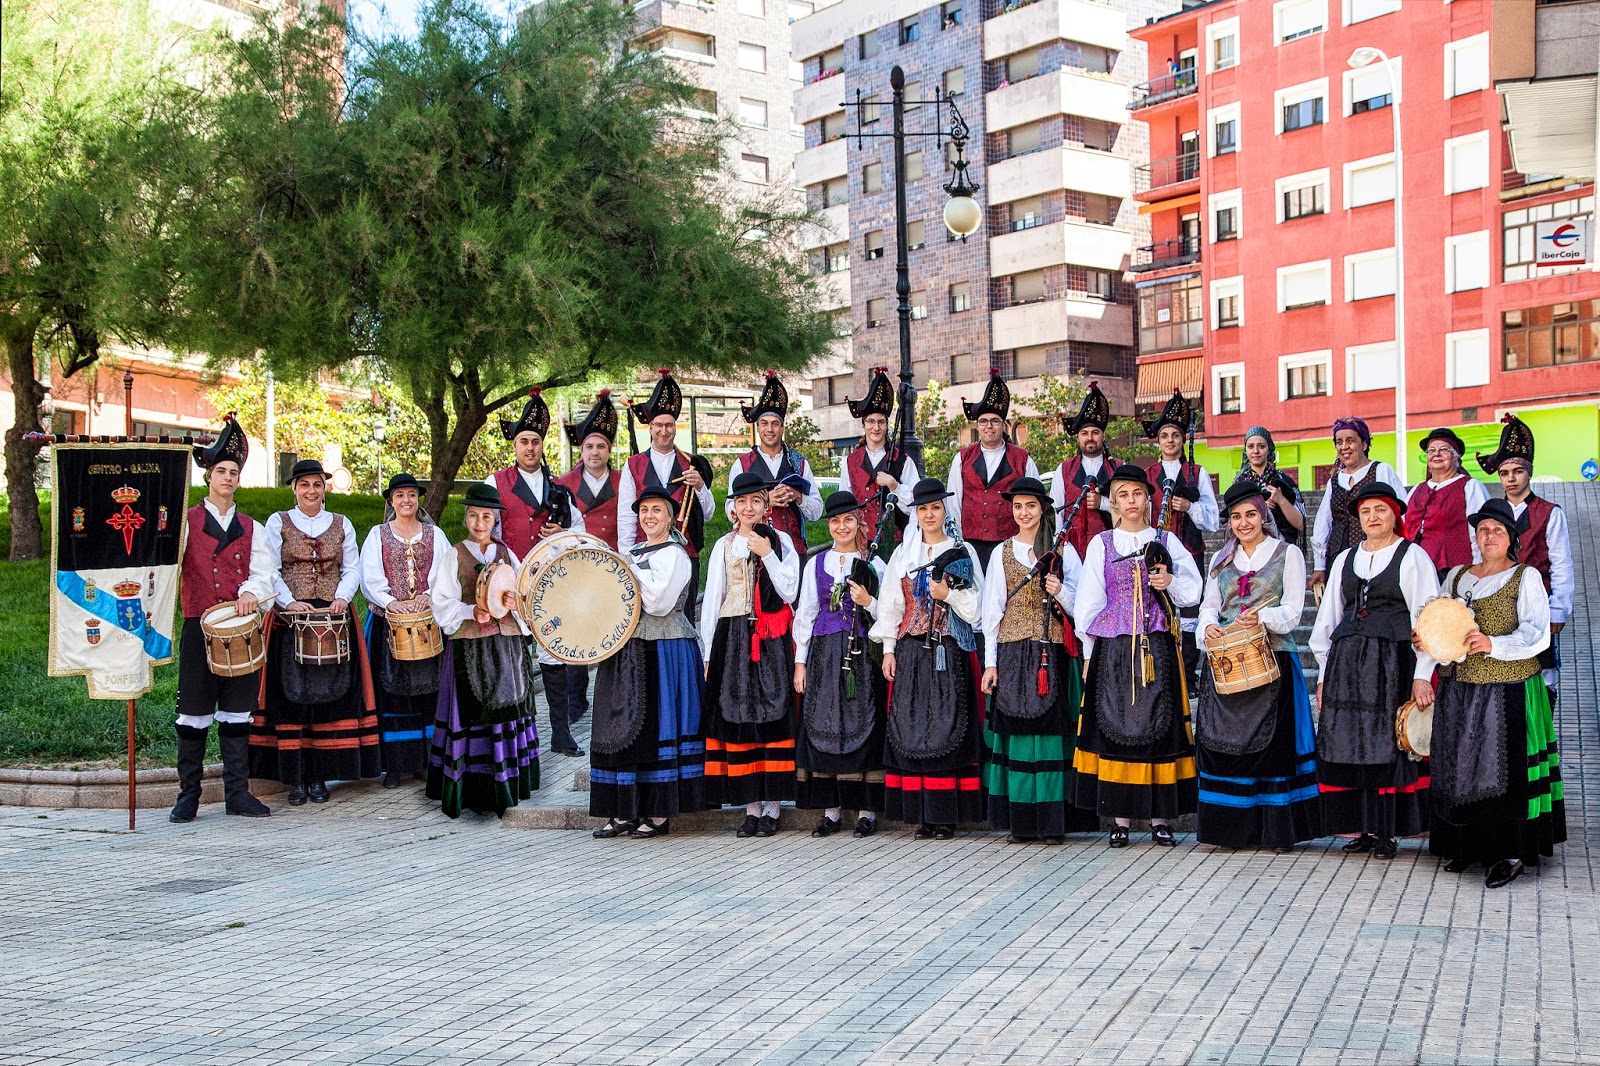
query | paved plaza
(375,930)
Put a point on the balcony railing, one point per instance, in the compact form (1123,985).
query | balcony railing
(1160,90)
(1173,170)
(1175,252)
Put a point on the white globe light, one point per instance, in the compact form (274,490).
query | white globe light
(962,216)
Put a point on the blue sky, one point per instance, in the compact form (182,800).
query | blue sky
(373,15)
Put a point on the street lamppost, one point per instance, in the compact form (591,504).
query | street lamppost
(1361,57)
(962,217)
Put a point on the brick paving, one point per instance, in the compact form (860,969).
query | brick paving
(374,930)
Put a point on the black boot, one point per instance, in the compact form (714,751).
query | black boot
(234,740)
(555,701)
(191,770)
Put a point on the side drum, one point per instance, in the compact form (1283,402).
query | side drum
(321,638)
(1242,660)
(235,644)
(413,635)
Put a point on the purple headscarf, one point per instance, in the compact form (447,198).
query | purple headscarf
(1351,422)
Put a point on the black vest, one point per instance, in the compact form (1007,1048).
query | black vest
(1375,608)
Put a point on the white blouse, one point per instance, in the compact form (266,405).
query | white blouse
(912,553)
(1282,617)
(1532,634)
(662,575)
(375,582)
(808,606)
(1185,590)
(1419,581)
(784,573)
(995,591)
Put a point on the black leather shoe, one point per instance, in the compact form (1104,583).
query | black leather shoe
(826,827)
(613,829)
(1016,838)
(1386,849)
(1458,866)
(297,796)
(392,780)
(318,792)
(574,752)
(1119,836)
(944,832)
(1162,836)
(924,832)
(647,829)
(1364,842)
(767,826)
(748,827)
(865,827)
(1503,873)
(247,806)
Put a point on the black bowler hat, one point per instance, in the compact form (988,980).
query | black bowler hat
(1131,473)
(402,481)
(1449,437)
(480,494)
(656,492)
(1242,489)
(1498,511)
(929,490)
(746,484)
(1028,486)
(1377,490)
(306,468)
(841,502)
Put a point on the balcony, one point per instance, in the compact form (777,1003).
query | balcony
(1064,92)
(1162,178)
(1072,318)
(1079,243)
(822,163)
(1058,168)
(1025,25)
(833,290)
(818,98)
(1162,90)
(1165,254)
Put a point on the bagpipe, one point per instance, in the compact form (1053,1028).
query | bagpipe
(955,568)
(702,466)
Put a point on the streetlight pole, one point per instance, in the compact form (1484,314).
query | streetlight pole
(1362,57)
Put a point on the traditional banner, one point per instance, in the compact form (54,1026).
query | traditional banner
(116,548)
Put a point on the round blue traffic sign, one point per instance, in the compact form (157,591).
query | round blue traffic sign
(1590,470)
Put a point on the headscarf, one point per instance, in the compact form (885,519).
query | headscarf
(1272,449)
(1351,422)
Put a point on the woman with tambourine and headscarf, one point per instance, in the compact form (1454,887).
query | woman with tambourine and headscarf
(1135,756)
(928,606)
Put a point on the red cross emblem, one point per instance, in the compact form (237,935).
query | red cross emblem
(127,522)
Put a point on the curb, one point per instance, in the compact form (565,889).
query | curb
(108,789)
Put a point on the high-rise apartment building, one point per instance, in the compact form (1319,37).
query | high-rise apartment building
(1269,285)
(1041,288)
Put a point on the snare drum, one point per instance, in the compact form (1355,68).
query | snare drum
(235,645)
(1413,730)
(1242,660)
(579,598)
(321,638)
(413,635)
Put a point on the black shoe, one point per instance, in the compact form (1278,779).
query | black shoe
(247,806)
(767,825)
(865,827)
(181,813)
(571,752)
(297,796)
(1016,838)
(613,829)
(944,832)
(1386,849)
(1055,840)
(318,792)
(391,780)
(1458,866)
(647,829)
(1503,873)
(1162,836)
(1119,836)
(748,827)
(1364,842)
(826,827)
(1289,850)
(924,832)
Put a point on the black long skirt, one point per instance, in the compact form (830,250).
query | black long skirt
(1367,784)
(661,773)
(405,720)
(943,788)
(852,780)
(1153,778)
(749,761)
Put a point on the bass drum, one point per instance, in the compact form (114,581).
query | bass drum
(579,599)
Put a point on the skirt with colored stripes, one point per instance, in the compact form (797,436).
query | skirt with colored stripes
(1258,780)
(405,718)
(1150,778)
(748,761)
(483,760)
(1366,783)
(662,773)
(1028,780)
(941,717)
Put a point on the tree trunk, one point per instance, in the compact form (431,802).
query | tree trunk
(448,446)
(27,532)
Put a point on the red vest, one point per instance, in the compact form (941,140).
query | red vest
(1189,475)
(783,519)
(212,570)
(519,522)
(599,516)
(984,515)
(1532,547)
(864,486)
(639,468)
(1087,523)
(1436,518)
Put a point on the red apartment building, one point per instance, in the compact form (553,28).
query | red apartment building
(1269,284)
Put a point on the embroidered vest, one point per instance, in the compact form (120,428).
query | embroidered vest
(405,566)
(520,521)
(599,511)
(214,569)
(1188,487)
(467,568)
(312,565)
(1497,617)
(1436,518)
(1242,588)
(1086,524)
(783,519)
(984,514)
(828,620)
(1343,533)
(1377,607)
(1023,618)
(1533,547)
(863,484)
(1116,618)
(643,472)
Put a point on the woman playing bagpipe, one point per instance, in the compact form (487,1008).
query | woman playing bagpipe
(1135,756)
(1255,747)
(1496,782)
(752,576)
(1032,674)
(928,606)
(839,746)
(485,749)
(646,758)
(1363,642)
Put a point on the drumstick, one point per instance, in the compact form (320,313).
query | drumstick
(1268,602)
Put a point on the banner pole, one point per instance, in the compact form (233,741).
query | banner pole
(133,783)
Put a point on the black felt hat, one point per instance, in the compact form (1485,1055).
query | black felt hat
(1129,472)
(306,468)
(656,492)
(1177,412)
(1516,442)
(880,396)
(1028,486)
(841,502)
(1499,511)
(231,445)
(601,419)
(996,399)
(1377,490)
(1242,489)
(746,484)
(929,490)
(774,400)
(665,399)
(402,481)
(1449,437)
(1096,411)
(481,494)
(535,418)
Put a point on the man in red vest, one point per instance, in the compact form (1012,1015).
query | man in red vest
(225,560)
(535,507)
(1543,540)
(792,490)
(869,469)
(593,486)
(1436,513)
(1084,480)
(664,466)
(981,473)
(1193,510)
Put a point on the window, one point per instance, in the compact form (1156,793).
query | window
(752,112)
(951,12)
(1367,88)
(960,297)
(919,304)
(1466,162)
(1466,262)
(1222,45)
(872,177)
(839,388)
(1517,236)
(1303,285)
(961,368)
(1107,359)
(1553,335)
(753,168)
(1368,275)
(1227,385)
(1466,65)
(1026,214)
(753,57)
(1100,283)
(704,103)
(1027,288)
(955,81)
(1302,114)
(1301,195)
(1306,374)
(753,8)
(1030,362)
(869,44)
(1171,316)
(1369,181)
(833,126)
(1025,139)
(1225,211)
(1301,106)
(910,30)
(913,166)
(919,373)
(1225,137)
(832,61)
(1227,303)
(1362,10)
(1022,65)
(836,257)
(799,9)
(872,244)
(1369,367)
(1294,19)
(871,109)
(914,239)
(835,193)
(877,312)
(1466,359)
(1100,209)
(913,95)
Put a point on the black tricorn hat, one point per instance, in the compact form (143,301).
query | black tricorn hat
(402,480)
(1449,437)
(601,419)
(665,399)
(231,445)
(1377,490)
(306,468)
(880,396)
(1177,412)
(535,418)
(1516,442)
(482,494)
(774,400)
(841,502)
(996,399)
(1096,411)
